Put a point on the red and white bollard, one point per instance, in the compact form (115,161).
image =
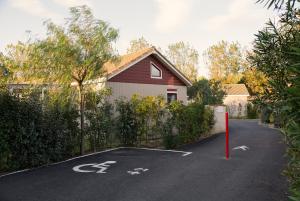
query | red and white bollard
(227,137)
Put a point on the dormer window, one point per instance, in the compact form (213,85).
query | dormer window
(155,71)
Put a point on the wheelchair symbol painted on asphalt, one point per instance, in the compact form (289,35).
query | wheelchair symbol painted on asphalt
(87,168)
(137,171)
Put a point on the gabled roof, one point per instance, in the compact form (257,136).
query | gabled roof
(126,61)
(236,89)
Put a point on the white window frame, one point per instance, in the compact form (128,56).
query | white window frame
(155,66)
(172,92)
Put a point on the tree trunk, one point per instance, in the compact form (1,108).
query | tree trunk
(81,99)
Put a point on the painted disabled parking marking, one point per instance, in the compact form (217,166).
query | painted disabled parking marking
(137,171)
(101,166)
(183,153)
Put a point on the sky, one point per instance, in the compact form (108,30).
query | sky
(200,23)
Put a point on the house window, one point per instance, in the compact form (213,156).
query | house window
(155,72)
(171,97)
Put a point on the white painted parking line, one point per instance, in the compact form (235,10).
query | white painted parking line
(70,159)
(184,153)
(19,171)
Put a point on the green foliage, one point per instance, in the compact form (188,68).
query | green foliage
(278,3)
(276,54)
(35,131)
(292,131)
(207,92)
(32,133)
(292,128)
(270,48)
(15,63)
(140,119)
(149,113)
(252,111)
(225,62)
(74,53)
(171,141)
(143,119)
(127,126)
(255,81)
(191,121)
(100,119)
(208,120)
(185,58)
(138,44)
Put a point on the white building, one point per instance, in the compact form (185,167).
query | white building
(236,99)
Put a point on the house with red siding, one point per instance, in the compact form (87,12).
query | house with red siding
(147,73)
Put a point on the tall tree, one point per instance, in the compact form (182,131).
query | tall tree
(74,53)
(225,62)
(276,53)
(269,56)
(138,44)
(185,58)
(255,81)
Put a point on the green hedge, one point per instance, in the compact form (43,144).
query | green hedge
(143,119)
(191,121)
(32,133)
(35,132)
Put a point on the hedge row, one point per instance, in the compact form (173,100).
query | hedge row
(35,132)
(32,133)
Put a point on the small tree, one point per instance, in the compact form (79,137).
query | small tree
(208,92)
(74,53)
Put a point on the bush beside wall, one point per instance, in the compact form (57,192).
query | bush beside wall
(35,132)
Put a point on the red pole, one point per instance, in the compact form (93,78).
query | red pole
(227,136)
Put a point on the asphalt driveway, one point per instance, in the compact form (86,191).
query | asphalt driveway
(197,172)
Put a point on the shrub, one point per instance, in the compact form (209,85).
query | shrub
(149,112)
(171,141)
(252,111)
(32,133)
(266,112)
(291,131)
(35,131)
(144,117)
(208,120)
(191,121)
(60,122)
(99,115)
(127,126)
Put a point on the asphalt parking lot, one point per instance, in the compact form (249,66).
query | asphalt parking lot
(196,172)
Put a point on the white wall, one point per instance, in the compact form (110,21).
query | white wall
(121,89)
(236,105)
(219,117)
